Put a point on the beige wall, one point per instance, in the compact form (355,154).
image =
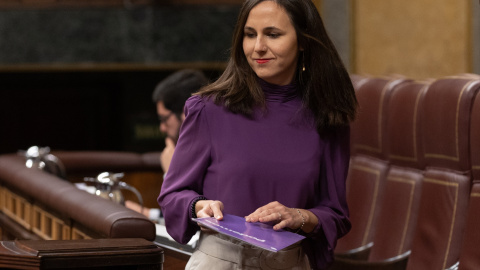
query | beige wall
(416,38)
(318,3)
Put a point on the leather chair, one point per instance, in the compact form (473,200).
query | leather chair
(358,80)
(368,166)
(399,209)
(447,181)
(470,253)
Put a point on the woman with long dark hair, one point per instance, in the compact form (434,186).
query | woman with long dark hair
(268,141)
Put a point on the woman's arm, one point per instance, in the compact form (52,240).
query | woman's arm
(331,208)
(183,183)
(330,215)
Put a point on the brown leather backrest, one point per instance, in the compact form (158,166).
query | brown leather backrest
(470,253)
(99,215)
(368,130)
(398,214)
(446,186)
(358,80)
(447,120)
(475,139)
(368,164)
(404,125)
(364,192)
(399,207)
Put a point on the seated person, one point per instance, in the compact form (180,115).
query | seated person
(170,96)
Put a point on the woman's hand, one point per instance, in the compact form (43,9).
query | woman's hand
(209,208)
(284,217)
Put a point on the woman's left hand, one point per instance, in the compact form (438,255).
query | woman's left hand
(278,213)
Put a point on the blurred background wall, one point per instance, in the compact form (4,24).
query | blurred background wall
(78,74)
(419,39)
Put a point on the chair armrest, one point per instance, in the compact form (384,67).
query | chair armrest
(360,253)
(396,263)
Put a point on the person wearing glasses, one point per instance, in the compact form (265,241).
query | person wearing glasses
(169,97)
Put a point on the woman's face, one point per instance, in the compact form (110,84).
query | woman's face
(270,43)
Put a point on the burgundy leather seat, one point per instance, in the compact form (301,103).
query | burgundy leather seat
(470,252)
(446,187)
(448,153)
(398,211)
(368,166)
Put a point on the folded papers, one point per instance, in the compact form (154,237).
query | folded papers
(258,234)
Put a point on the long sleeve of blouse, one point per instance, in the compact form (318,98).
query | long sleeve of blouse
(246,163)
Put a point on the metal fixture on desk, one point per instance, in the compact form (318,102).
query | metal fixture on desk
(40,158)
(109,186)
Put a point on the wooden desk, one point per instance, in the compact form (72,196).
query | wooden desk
(127,253)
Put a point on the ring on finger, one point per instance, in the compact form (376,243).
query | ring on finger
(279,216)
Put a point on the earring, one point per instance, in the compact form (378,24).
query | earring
(303,62)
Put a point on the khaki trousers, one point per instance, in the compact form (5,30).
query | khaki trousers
(216,251)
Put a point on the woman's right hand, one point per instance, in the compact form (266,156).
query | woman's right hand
(208,208)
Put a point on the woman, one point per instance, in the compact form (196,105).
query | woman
(269,140)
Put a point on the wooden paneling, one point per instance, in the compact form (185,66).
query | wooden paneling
(43,223)
(419,39)
(173,263)
(17,208)
(129,253)
(108,3)
(147,183)
(48,226)
(79,234)
(63,3)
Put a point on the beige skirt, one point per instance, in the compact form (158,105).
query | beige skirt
(216,251)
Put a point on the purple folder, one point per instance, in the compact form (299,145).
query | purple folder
(257,234)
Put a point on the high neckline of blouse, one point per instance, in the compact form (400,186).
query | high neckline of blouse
(278,93)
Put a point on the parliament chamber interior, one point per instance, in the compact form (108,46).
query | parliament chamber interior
(77,80)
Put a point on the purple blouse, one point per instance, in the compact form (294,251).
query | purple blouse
(276,155)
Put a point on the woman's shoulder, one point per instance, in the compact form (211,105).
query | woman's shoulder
(194,101)
(197,104)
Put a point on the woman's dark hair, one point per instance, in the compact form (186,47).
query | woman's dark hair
(325,84)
